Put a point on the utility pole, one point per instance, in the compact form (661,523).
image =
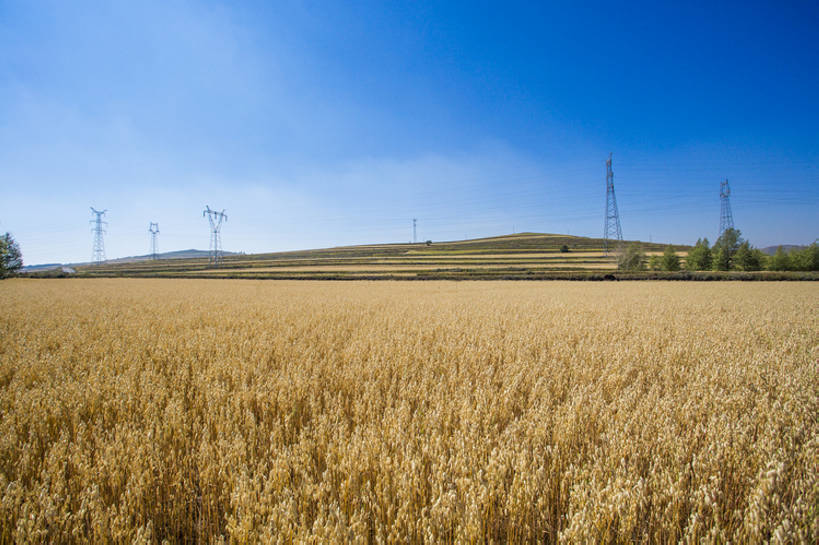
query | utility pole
(726,219)
(153,228)
(215,219)
(611,230)
(98,251)
(414,237)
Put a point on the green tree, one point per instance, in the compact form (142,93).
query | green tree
(780,261)
(11,259)
(632,258)
(654,263)
(760,259)
(725,249)
(812,257)
(806,259)
(671,261)
(721,259)
(748,258)
(699,258)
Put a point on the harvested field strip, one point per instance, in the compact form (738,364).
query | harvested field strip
(402,267)
(511,255)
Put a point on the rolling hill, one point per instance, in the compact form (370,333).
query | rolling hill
(177,254)
(517,256)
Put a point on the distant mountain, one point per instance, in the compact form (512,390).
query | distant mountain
(771,250)
(178,254)
(41,267)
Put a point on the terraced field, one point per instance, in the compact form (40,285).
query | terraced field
(524,255)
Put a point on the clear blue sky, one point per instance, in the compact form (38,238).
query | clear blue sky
(317,124)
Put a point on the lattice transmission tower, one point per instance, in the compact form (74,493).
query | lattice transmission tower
(98,251)
(726,219)
(215,218)
(611,228)
(153,228)
(414,237)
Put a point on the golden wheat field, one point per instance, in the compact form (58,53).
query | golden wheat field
(211,411)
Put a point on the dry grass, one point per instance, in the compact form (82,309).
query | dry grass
(242,411)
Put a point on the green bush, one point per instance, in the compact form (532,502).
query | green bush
(632,258)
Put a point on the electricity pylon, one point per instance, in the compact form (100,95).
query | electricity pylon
(98,251)
(726,219)
(153,228)
(611,228)
(414,237)
(215,218)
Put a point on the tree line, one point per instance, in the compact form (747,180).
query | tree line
(729,253)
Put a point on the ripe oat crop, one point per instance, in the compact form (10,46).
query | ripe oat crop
(205,411)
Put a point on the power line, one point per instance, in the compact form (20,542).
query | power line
(215,219)
(611,228)
(98,250)
(726,218)
(153,228)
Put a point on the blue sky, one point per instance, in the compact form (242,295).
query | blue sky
(317,124)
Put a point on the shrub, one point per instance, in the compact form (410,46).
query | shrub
(632,258)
